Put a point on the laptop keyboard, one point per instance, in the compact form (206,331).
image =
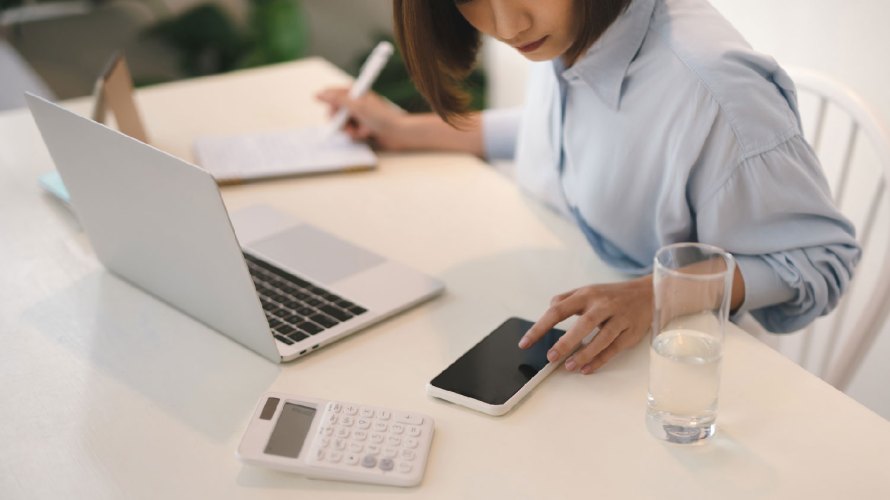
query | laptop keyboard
(295,308)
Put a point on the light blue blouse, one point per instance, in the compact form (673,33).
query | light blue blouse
(669,129)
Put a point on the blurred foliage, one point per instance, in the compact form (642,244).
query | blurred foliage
(206,39)
(209,41)
(278,32)
(395,84)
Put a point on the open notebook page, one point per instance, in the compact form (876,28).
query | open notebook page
(281,153)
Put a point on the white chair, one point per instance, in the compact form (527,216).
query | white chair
(855,152)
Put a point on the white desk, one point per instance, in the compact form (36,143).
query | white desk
(106,392)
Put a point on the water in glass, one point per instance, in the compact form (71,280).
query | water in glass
(684,380)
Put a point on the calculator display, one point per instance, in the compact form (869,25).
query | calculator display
(290,430)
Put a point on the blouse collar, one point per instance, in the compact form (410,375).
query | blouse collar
(605,63)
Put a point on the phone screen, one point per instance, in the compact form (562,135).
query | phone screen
(496,368)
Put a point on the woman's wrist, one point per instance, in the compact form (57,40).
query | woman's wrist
(427,131)
(409,130)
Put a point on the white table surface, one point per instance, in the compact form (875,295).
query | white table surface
(105,392)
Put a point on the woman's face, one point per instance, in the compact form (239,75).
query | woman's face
(539,29)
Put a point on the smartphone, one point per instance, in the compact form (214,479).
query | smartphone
(495,374)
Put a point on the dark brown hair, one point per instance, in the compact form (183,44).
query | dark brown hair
(440,47)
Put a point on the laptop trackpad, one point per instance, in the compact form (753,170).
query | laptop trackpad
(315,254)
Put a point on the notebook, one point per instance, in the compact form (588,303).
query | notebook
(239,158)
(274,284)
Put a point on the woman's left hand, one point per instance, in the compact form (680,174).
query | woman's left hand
(622,312)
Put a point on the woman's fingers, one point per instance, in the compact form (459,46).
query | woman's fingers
(371,118)
(333,95)
(609,331)
(334,98)
(575,303)
(562,296)
(621,311)
(557,312)
(592,315)
(625,340)
(358,130)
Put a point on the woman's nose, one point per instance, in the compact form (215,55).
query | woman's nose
(509,20)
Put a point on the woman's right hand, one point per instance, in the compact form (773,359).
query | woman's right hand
(371,118)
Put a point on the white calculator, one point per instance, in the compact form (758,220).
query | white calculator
(337,440)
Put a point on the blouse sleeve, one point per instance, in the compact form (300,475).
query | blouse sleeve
(794,249)
(500,127)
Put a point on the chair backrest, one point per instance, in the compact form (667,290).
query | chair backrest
(855,152)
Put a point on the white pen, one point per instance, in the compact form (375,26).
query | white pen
(369,72)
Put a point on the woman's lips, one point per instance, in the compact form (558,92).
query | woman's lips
(531,47)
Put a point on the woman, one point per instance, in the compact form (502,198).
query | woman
(656,110)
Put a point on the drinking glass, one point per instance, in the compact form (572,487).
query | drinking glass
(693,288)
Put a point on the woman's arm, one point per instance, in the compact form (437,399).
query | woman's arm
(391,128)
(622,311)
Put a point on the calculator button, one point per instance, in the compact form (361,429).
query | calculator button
(383,442)
(407,418)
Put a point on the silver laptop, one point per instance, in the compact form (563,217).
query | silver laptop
(281,287)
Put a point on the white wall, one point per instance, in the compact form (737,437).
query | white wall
(342,30)
(845,39)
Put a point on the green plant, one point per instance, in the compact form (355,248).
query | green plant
(278,32)
(395,84)
(209,42)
